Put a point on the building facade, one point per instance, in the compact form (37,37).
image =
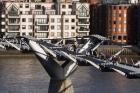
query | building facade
(118,22)
(94,2)
(46,19)
(99,19)
(111,20)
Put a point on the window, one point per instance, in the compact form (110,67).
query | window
(70,6)
(69,12)
(72,33)
(119,37)
(59,27)
(37,6)
(124,29)
(63,6)
(66,34)
(30,34)
(59,20)
(125,7)
(114,22)
(26,5)
(66,27)
(26,12)
(30,20)
(41,35)
(52,20)
(20,12)
(124,15)
(83,12)
(83,28)
(119,7)
(114,14)
(52,34)
(52,13)
(72,20)
(23,26)
(52,27)
(120,15)
(13,11)
(73,27)
(124,37)
(119,29)
(38,12)
(114,29)
(66,20)
(43,28)
(119,21)
(41,20)
(13,28)
(30,27)
(125,22)
(63,13)
(58,34)
(23,34)
(12,21)
(114,37)
(53,7)
(23,19)
(21,5)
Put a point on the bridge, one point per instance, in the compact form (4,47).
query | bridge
(49,55)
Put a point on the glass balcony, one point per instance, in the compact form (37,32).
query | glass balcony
(83,29)
(13,28)
(83,22)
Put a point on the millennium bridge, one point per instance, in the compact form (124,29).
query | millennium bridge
(61,61)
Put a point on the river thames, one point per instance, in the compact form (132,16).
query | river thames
(24,74)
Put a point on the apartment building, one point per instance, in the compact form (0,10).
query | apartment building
(83,16)
(45,19)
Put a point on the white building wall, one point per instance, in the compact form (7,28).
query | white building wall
(69,25)
(24,24)
(133,1)
(66,8)
(57,28)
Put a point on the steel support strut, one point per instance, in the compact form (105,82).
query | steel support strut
(59,74)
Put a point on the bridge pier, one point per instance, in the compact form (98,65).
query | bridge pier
(61,86)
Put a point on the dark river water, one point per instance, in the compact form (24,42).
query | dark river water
(26,75)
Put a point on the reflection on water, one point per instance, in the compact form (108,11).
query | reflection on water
(26,75)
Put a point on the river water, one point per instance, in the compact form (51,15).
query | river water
(26,75)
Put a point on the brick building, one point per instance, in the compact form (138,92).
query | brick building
(110,20)
(118,22)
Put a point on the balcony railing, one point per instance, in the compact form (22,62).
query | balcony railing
(9,16)
(83,29)
(13,23)
(84,23)
(13,30)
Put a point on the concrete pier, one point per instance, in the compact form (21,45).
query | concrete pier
(61,86)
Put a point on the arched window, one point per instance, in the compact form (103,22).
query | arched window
(82,12)
(13,11)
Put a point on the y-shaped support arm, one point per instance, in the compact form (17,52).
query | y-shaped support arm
(59,74)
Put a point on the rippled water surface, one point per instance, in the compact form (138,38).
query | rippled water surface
(26,75)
